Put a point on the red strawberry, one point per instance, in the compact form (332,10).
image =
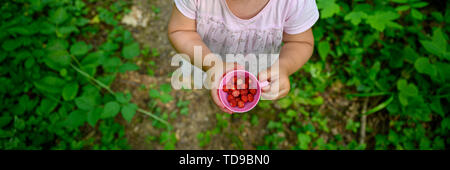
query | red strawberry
(244,92)
(244,98)
(233,103)
(253,91)
(225,89)
(241,104)
(230,97)
(250,97)
(239,82)
(236,93)
(238,100)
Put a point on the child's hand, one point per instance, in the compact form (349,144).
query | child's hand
(214,93)
(279,86)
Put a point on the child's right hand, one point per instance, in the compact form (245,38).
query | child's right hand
(227,67)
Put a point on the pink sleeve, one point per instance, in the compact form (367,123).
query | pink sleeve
(301,16)
(187,7)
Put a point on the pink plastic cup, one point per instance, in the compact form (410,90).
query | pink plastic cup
(255,83)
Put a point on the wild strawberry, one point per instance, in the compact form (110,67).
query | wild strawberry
(233,103)
(236,93)
(241,104)
(244,98)
(244,92)
(250,97)
(238,99)
(239,82)
(230,97)
(253,91)
(225,89)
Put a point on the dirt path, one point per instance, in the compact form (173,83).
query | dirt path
(202,111)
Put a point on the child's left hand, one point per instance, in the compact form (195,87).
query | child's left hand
(279,85)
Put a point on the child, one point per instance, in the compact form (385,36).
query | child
(244,27)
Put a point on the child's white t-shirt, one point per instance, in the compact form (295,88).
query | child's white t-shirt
(224,33)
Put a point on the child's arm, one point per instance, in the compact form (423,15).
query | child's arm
(183,35)
(296,51)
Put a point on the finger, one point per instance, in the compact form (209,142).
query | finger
(264,75)
(269,95)
(274,92)
(266,89)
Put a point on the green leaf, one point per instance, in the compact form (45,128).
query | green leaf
(382,19)
(58,16)
(291,113)
(111,109)
(410,90)
(154,93)
(437,107)
(165,88)
(416,14)
(93,59)
(402,8)
(124,99)
(303,141)
(36,5)
(79,48)
(111,64)
(445,124)
(128,67)
(285,102)
(94,115)
(76,119)
(437,45)
(85,102)
(400,1)
(5,120)
(11,44)
(409,54)
(324,49)
(419,4)
(401,84)
(166,98)
(403,98)
(70,91)
(131,51)
(355,17)
(424,66)
(50,84)
(184,111)
(128,111)
(46,106)
(328,8)
(57,59)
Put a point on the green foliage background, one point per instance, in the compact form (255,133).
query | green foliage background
(55,80)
